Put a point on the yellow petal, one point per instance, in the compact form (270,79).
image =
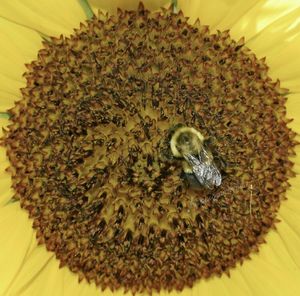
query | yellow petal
(53,17)
(31,279)
(9,91)
(3,162)
(16,235)
(5,180)
(111,6)
(260,15)
(279,42)
(275,253)
(8,98)
(41,275)
(19,45)
(293,109)
(3,124)
(6,191)
(235,11)
(213,12)
(266,279)
(290,233)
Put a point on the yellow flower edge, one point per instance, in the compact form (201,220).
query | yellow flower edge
(270,28)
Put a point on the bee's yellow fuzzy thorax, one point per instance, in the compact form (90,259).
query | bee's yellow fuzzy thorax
(177,134)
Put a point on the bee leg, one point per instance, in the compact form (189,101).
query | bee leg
(209,143)
(191,180)
(221,163)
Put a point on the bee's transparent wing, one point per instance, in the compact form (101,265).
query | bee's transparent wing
(204,169)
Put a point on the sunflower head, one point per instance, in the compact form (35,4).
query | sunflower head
(98,159)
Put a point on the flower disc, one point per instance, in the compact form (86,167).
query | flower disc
(91,162)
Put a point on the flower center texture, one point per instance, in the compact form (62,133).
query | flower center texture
(89,147)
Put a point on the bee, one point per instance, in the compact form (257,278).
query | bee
(198,162)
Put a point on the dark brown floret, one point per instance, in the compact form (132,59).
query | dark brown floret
(90,158)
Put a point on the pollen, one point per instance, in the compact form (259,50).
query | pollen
(90,153)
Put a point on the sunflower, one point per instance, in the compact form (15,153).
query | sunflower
(271,29)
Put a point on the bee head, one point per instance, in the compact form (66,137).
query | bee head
(186,140)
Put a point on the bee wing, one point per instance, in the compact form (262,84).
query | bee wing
(204,169)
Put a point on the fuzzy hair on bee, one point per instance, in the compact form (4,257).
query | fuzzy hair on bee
(188,143)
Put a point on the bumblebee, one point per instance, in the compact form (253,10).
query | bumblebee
(198,163)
